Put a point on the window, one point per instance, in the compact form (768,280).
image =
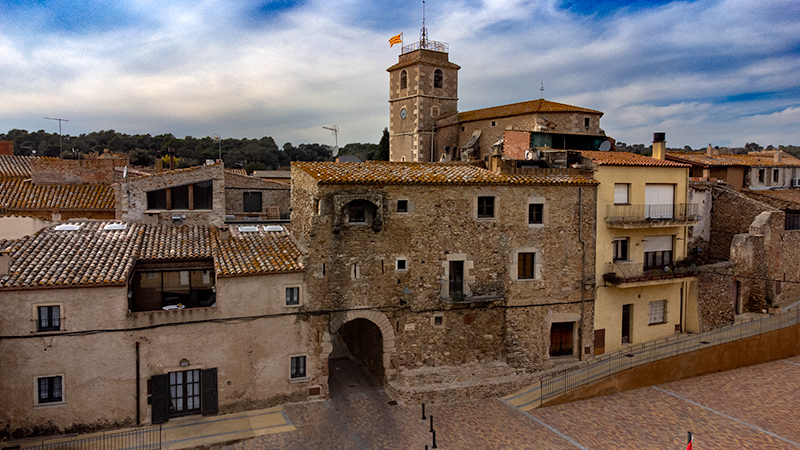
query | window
(401,264)
(157,199)
(485,207)
(775,175)
(203,192)
(252,201)
(535,213)
(760,175)
(438,320)
(463,128)
(402,206)
(620,246)
(434,111)
(657,252)
(157,286)
(178,197)
(403,79)
(184,392)
(494,123)
(50,390)
(292,296)
(526,266)
(298,369)
(586,121)
(49,318)
(658,312)
(438,78)
(621,193)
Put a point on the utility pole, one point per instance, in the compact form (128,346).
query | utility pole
(60,143)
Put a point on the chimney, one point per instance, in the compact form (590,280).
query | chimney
(56,216)
(224,234)
(778,156)
(5,261)
(659,145)
(171,158)
(159,162)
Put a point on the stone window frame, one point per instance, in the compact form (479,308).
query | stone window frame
(38,404)
(438,79)
(340,205)
(469,265)
(397,268)
(298,379)
(285,289)
(545,211)
(587,121)
(409,205)
(657,315)
(439,315)
(476,204)
(537,264)
(575,318)
(37,319)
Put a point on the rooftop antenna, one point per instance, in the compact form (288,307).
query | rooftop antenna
(60,143)
(541,89)
(423,33)
(218,140)
(335,130)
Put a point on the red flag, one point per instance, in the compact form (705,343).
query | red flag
(691,438)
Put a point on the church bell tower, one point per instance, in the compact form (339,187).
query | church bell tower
(423,87)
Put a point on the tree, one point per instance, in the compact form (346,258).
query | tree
(752,147)
(383,147)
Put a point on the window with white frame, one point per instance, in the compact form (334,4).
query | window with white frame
(298,367)
(535,213)
(658,312)
(402,206)
(620,246)
(526,266)
(293,296)
(621,193)
(49,318)
(49,390)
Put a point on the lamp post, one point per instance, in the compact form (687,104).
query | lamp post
(406,295)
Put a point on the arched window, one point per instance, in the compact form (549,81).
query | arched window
(403,80)
(438,78)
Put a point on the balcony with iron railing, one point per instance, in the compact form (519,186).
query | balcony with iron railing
(637,216)
(427,44)
(627,272)
(473,291)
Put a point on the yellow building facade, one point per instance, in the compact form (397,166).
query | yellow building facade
(645,291)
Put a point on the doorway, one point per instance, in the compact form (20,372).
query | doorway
(627,312)
(561,339)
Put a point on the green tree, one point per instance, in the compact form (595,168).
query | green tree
(383,147)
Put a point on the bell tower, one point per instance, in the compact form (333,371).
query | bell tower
(423,86)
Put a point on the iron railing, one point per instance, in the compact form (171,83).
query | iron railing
(557,383)
(479,291)
(139,438)
(427,45)
(684,212)
(618,272)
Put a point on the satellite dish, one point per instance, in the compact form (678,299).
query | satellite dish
(605,146)
(335,151)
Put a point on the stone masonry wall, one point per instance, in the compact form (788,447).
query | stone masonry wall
(69,171)
(273,195)
(714,300)
(731,214)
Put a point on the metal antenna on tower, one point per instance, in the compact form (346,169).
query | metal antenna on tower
(60,143)
(335,130)
(542,90)
(423,33)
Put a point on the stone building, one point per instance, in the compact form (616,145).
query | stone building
(442,272)
(106,324)
(426,126)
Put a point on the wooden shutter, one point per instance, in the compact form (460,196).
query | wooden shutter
(159,401)
(208,386)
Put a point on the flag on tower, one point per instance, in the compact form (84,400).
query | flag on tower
(396,40)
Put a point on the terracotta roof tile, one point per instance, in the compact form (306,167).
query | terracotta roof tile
(12,166)
(627,159)
(236,171)
(727,159)
(784,195)
(381,172)
(92,255)
(16,193)
(515,109)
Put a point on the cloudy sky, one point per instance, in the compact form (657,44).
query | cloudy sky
(722,72)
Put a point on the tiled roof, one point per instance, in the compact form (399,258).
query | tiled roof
(382,172)
(16,193)
(783,195)
(515,109)
(627,159)
(257,252)
(93,256)
(727,159)
(12,166)
(167,172)
(236,171)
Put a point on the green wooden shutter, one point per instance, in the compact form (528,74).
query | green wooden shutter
(208,399)
(159,401)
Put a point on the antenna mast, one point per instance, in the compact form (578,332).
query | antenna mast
(423,33)
(60,142)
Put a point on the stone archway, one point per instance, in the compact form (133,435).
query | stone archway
(376,317)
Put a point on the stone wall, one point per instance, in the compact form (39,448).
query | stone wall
(354,266)
(70,171)
(731,214)
(715,302)
(273,195)
(131,196)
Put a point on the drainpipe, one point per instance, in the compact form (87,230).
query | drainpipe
(138,389)
(581,354)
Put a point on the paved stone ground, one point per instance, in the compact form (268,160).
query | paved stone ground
(755,407)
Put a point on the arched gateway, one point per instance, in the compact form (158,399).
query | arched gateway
(379,320)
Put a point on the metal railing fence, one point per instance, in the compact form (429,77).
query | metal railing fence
(554,384)
(140,438)
(652,213)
